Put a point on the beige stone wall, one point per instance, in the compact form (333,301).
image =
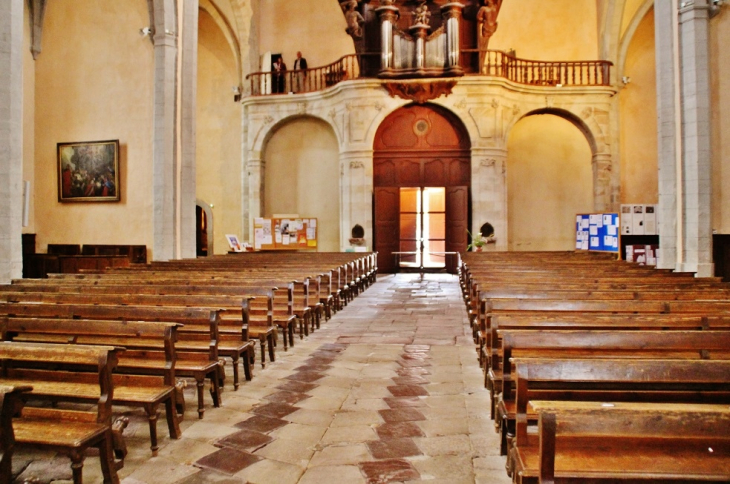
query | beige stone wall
(637,111)
(218,156)
(720,92)
(28,120)
(549,181)
(93,81)
(316,28)
(303,177)
(554,30)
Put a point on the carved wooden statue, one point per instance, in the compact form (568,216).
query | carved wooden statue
(353,18)
(422,15)
(487,20)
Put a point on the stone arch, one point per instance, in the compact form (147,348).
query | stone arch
(593,124)
(228,32)
(575,120)
(270,126)
(628,36)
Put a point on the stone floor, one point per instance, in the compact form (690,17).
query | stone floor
(388,390)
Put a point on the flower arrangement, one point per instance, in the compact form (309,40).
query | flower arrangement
(478,241)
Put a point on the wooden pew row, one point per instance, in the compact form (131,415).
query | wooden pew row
(494,307)
(200,276)
(66,430)
(248,286)
(145,374)
(614,380)
(580,442)
(262,300)
(11,403)
(592,344)
(196,358)
(492,355)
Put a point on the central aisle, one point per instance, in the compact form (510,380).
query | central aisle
(388,390)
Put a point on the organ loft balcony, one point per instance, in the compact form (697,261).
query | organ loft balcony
(421,48)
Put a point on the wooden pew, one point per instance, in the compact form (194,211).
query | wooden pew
(580,442)
(614,380)
(590,344)
(145,375)
(67,431)
(192,360)
(11,403)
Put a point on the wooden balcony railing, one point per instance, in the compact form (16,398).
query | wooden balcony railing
(493,63)
(351,66)
(543,73)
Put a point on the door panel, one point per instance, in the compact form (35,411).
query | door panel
(457,222)
(387,220)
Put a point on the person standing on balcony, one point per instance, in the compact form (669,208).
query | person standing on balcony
(278,76)
(300,65)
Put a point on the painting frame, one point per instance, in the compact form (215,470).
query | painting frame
(88,171)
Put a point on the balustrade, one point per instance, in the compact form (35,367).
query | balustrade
(494,63)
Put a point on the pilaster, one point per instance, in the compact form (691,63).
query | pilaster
(489,192)
(602,189)
(695,74)
(188,102)
(11,136)
(164,173)
(356,200)
(256,170)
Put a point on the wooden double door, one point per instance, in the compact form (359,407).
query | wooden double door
(421,178)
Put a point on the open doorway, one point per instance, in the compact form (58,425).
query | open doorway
(422,228)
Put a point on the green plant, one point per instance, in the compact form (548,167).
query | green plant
(477,241)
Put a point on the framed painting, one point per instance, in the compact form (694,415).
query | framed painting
(88,171)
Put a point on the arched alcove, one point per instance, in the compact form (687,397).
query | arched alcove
(549,181)
(302,176)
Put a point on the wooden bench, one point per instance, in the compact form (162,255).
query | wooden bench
(11,403)
(589,344)
(197,358)
(145,375)
(69,431)
(612,380)
(580,442)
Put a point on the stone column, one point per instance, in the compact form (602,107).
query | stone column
(256,171)
(189,78)
(11,139)
(695,74)
(666,72)
(489,192)
(164,172)
(357,194)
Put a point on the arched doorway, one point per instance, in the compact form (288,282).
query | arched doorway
(421,179)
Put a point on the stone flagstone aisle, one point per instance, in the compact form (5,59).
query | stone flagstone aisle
(388,390)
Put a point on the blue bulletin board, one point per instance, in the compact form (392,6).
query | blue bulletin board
(598,232)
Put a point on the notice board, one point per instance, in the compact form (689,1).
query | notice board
(285,233)
(598,232)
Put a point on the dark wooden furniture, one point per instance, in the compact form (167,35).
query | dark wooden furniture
(11,402)
(145,375)
(68,431)
(595,442)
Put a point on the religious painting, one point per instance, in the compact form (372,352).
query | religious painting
(88,171)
